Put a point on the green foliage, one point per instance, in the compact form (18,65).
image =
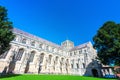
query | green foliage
(6,35)
(50,77)
(107,43)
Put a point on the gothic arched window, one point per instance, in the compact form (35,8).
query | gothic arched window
(32,56)
(18,55)
(41,57)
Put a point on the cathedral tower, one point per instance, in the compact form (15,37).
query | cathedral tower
(67,44)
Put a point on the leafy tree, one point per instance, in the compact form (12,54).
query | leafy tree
(107,43)
(6,35)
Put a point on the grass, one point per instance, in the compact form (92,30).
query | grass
(49,77)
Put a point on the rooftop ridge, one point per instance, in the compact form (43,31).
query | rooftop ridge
(80,46)
(35,37)
(15,30)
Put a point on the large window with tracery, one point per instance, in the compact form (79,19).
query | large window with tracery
(32,56)
(19,54)
(41,58)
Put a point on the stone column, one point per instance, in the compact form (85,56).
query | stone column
(111,72)
(63,67)
(57,66)
(103,73)
(68,67)
(37,63)
(106,72)
(52,64)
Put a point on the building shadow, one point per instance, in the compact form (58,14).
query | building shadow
(8,71)
(11,67)
(5,74)
(93,69)
(9,75)
(27,67)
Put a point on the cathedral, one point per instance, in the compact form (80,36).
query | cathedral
(30,54)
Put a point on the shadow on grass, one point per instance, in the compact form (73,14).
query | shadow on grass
(9,75)
(110,78)
(102,78)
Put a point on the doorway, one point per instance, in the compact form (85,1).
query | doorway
(95,72)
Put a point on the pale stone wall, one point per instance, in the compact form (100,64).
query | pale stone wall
(47,57)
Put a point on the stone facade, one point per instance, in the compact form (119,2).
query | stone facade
(32,54)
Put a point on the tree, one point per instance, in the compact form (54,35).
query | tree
(6,35)
(107,43)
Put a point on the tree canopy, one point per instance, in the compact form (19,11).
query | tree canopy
(6,35)
(107,43)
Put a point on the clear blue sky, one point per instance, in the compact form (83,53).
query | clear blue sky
(57,20)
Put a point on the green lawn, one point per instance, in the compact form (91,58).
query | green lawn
(49,77)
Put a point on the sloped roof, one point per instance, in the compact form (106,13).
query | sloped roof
(18,31)
(80,46)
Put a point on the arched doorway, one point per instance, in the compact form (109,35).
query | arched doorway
(95,72)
